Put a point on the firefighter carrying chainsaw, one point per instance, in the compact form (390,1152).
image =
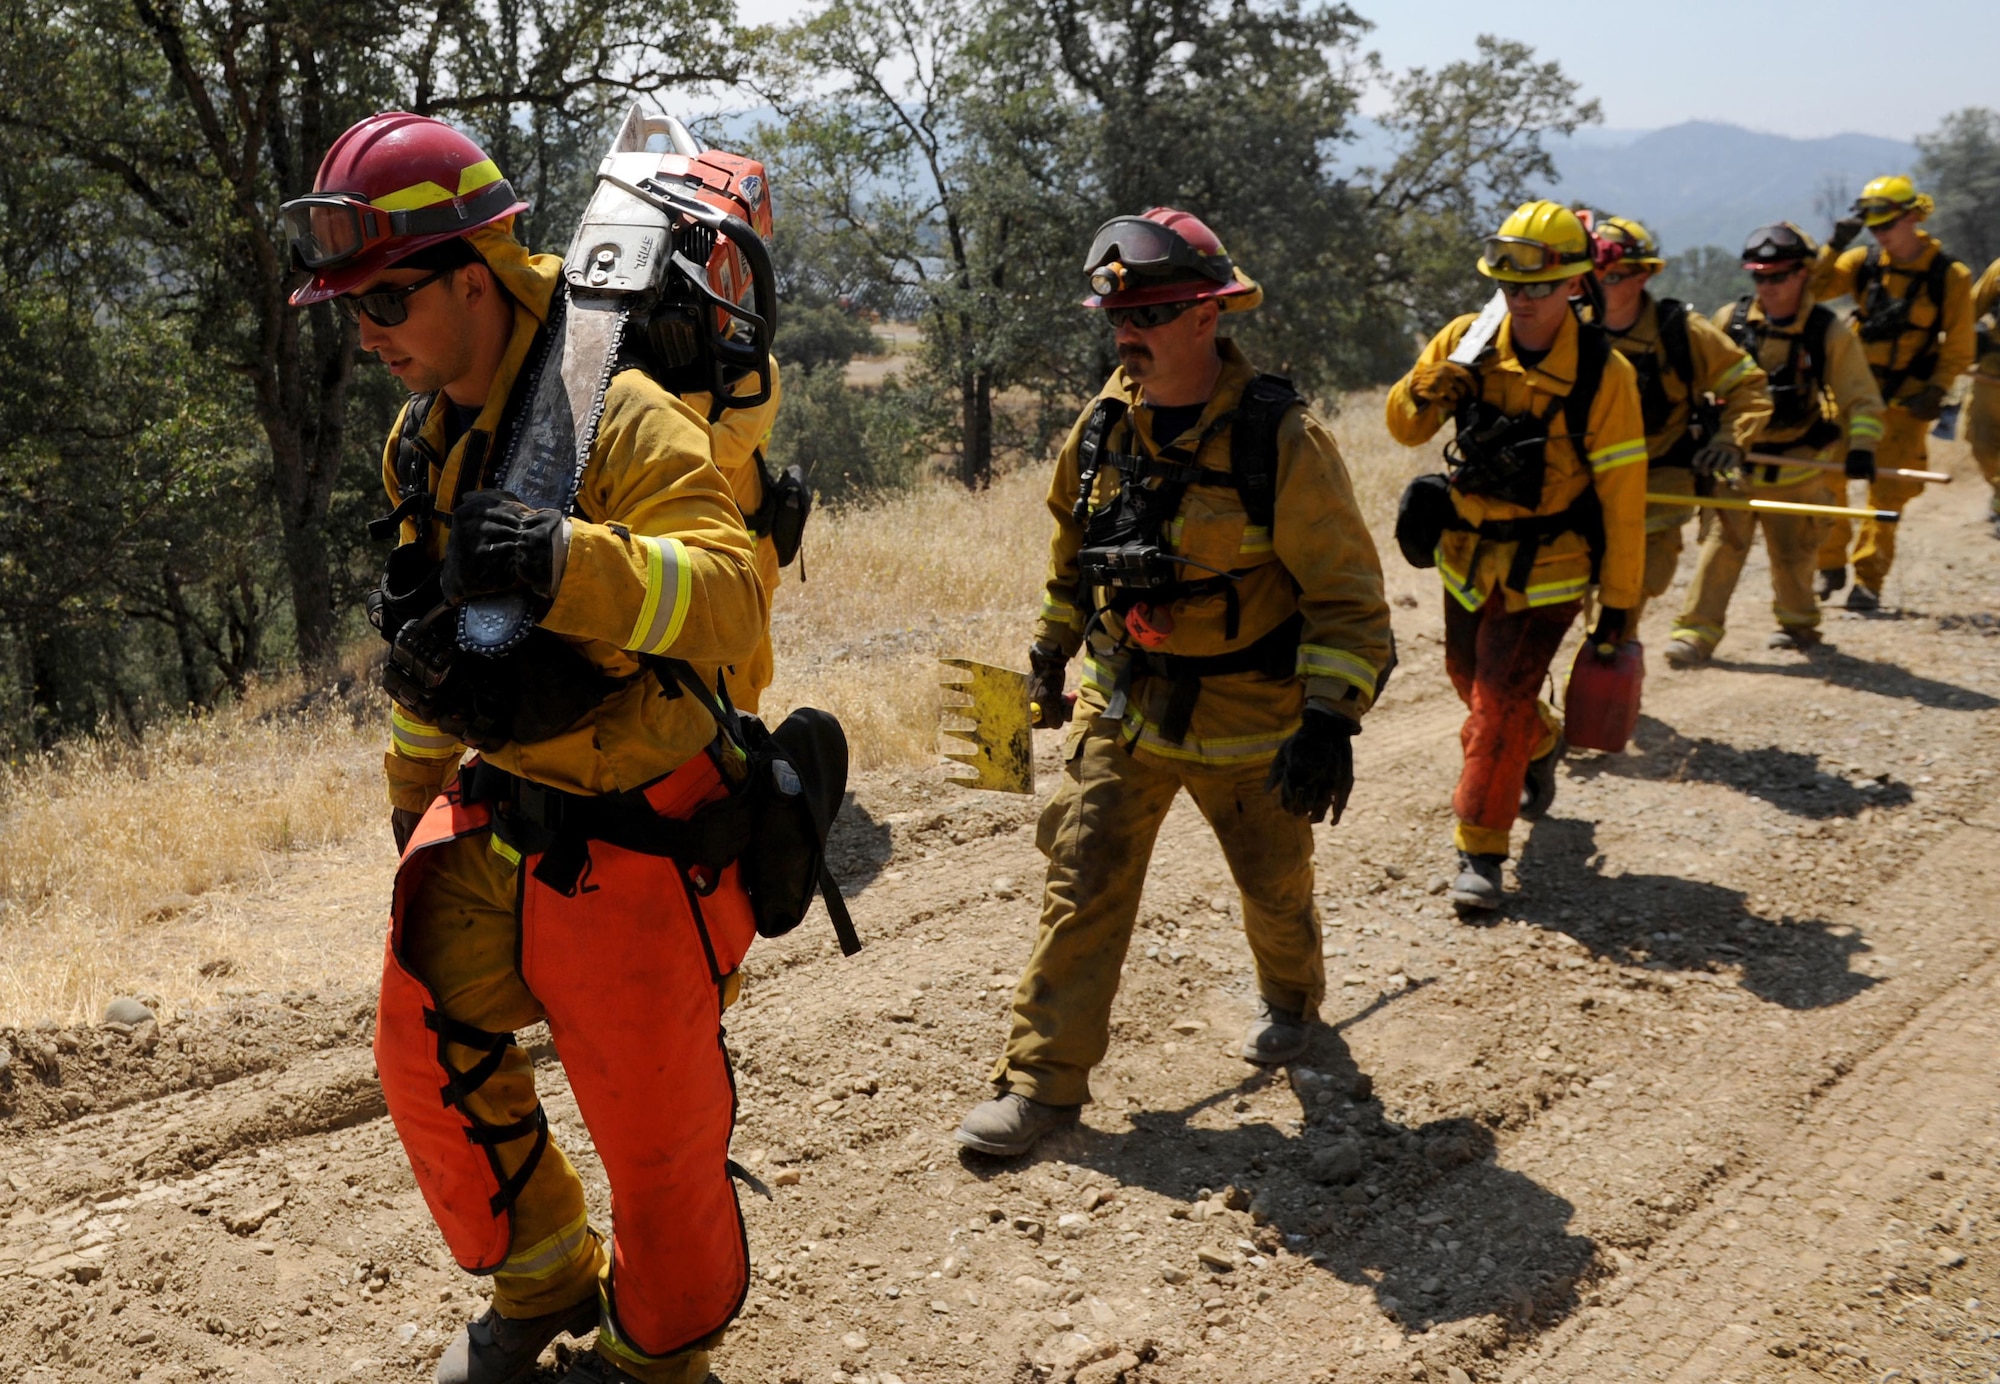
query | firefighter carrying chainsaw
(1544,494)
(572,576)
(1701,396)
(1825,409)
(1913,308)
(1211,567)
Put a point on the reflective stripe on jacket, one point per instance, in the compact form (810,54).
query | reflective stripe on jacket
(1843,371)
(1612,460)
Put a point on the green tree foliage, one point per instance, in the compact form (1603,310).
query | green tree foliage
(201,116)
(1707,277)
(1960,167)
(962,157)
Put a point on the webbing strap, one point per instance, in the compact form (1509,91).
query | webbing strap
(463,1084)
(512,1186)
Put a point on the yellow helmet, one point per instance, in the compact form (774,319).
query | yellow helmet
(1540,242)
(1889,198)
(1621,240)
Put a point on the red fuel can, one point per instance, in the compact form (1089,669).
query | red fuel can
(1601,706)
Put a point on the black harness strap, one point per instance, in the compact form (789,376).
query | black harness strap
(478,1132)
(1889,318)
(1275,654)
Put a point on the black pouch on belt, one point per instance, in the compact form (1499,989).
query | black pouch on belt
(1422,516)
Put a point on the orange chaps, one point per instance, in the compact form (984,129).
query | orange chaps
(628,968)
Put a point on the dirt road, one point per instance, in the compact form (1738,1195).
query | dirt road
(1716,1098)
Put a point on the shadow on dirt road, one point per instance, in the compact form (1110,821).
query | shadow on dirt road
(1667,922)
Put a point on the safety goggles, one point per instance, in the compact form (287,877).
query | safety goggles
(1148,248)
(1151,315)
(1879,209)
(385,307)
(1515,254)
(1539,290)
(328,229)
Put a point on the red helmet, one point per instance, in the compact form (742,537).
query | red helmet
(1164,256)
(389,187)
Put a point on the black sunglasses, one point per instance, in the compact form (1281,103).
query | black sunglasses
(1151,315)
(1774,276)
(386,307)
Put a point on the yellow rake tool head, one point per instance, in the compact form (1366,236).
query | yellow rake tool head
(1002,756)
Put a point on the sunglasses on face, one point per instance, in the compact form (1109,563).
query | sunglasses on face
(1540,290)
(1772,276)
(1619,276)
(385,307)
(1151,315)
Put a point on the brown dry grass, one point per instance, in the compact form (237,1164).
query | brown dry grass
(133,866)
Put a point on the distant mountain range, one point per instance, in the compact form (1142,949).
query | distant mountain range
(1704,183)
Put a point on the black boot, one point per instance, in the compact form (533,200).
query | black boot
(1538,793)
(493,1349)
(1477,888)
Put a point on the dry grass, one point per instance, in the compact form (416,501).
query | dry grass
(103,841)
(249,849)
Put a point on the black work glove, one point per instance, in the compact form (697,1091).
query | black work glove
(1718,459)
(403,821)
(1927,403)
(1844,232)
(1860,464)
(1314,770)
(498,544)
(1048,709)
(1609,632)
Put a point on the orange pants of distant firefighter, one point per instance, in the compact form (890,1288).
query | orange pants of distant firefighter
(1497,659)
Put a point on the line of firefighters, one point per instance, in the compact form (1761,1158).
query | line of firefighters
(1209,566)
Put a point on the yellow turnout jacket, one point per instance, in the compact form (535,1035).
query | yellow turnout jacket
(1949,328)
(1846,392)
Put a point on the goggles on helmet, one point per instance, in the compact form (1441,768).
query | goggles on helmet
(1516,254)
(1134,245)
(333,228)
(1876,208)
(1774,244)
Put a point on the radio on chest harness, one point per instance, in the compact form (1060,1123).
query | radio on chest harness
(1125,565)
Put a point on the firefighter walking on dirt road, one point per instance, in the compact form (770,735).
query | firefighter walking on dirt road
(510,907)
(1702,398)
(1982,426)
(1211,566)
(1824,407)
(1547,492)
(1913,308)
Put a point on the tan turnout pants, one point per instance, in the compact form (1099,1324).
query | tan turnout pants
(1903,448)
(1098,833)
(1982,429)
(1663,537)
(1792,540)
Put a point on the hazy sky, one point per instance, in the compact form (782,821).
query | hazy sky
(1815,67)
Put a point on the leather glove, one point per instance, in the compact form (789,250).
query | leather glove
(403,821)
(1442,382)
(1718,459)
(1609,631)
(498,544)
(1927,403)
(1844,232)
(1314,771)
(1048,709)
(1860,464)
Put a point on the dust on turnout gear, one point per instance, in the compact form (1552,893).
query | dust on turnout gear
(639,952)
(774,508)
(1522,541)
(1683,362)
(392,185)
(1824,403)
(658,565)
(1314,770)
(1915,321)
(1164,255)
(1097,833)
(1890,198)
(1238,545)
(1982,424)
